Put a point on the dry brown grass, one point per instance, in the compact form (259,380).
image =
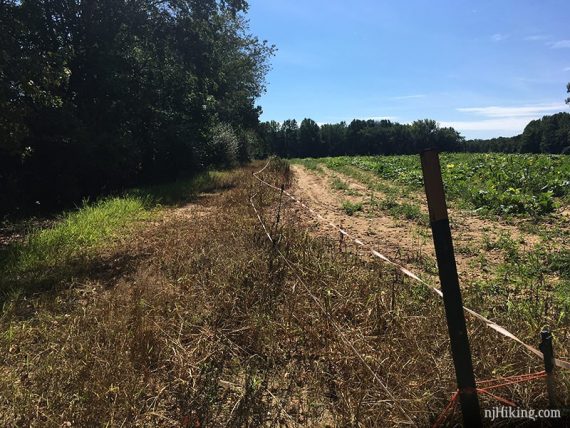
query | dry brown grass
(210,326)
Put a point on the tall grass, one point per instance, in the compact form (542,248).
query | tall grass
(182,191)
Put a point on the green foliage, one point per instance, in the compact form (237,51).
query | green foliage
(78,234)
(559,262)
(501,184)
(310,143)
(551,134)
(98,96)
(309,163)
(181,191)
(223,148)
(360,137)
(75,233)
(404,210)
(351,207)
(338,184)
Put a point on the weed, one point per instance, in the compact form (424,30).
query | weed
(48,255)
(351,207)
(403,210)
(559,262)
(338,184)
(505,184)
(309,163)
(77,232)
(182,191)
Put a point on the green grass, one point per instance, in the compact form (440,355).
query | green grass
(408,211)
(401,210)
(182,191)
(528,283)
(304,330)
(338,184)
(309,163)
(81,231)
(76,235)
(351,207)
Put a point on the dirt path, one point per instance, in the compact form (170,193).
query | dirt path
(472,227)
(400,239)
(386,234)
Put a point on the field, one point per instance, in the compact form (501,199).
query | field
(527,185)
(171,306)
(509,215)
(509,212)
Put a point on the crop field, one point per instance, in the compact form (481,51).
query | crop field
(502,184)
(510,213)
(510,224)
(211,218)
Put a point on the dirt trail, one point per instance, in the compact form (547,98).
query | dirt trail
(469,228)
(399,239)
(383,232)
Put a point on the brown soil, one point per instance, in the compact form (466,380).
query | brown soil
(398,239)
(381,231)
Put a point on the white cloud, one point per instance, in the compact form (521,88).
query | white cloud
(560,44)
(501,120)
(512,125)
(499,37)
(537,37)
(520,111)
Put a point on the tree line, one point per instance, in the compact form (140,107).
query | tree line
(98,95)
(359,137)
(551,134)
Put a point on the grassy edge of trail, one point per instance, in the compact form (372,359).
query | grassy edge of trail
(48,255)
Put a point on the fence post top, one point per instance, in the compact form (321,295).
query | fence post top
(429,150)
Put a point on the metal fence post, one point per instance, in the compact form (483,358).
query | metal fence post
(548,353)
(452,300)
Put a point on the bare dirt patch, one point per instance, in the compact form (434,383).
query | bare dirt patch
(399,239)
(381,231)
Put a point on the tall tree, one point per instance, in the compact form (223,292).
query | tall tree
(290,138)
(532,137)
(333,137)
(96,95)
(310,139)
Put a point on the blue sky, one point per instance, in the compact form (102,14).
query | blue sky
(485,67)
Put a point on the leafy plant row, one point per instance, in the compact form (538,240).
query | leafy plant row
(503,184)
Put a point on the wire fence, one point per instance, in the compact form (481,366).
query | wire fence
(491,324)
(325,313)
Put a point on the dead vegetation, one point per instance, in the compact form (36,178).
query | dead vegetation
(213,325)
